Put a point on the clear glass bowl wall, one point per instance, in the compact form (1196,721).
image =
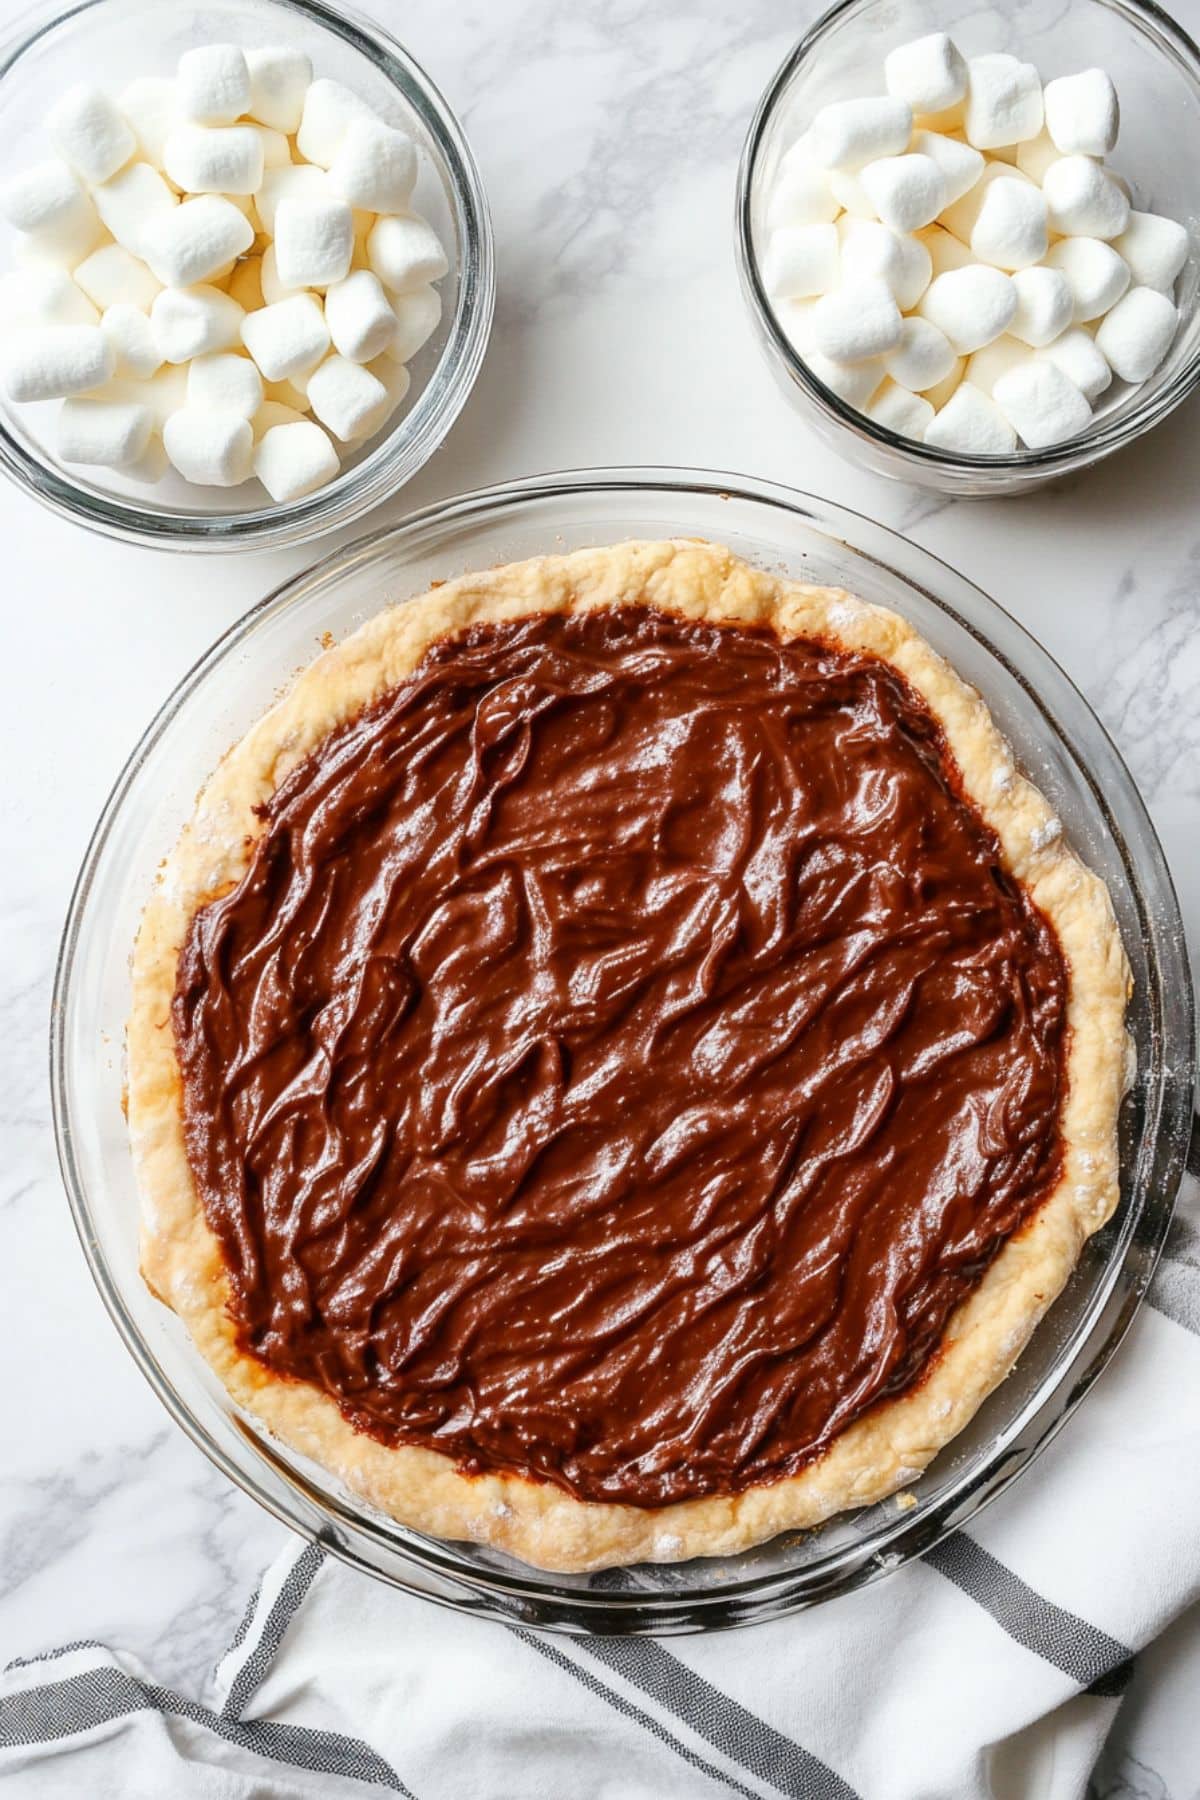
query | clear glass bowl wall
(1057,740)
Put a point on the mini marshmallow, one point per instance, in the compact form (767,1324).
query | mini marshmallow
(273,290)
(297,182)
(89,131)
(847,134)
(1041,404)
(1004,102)
(44,297)
(131,335)
(1045,305)
(1010,231)
(1097,276)
(396,381)
(245,284)
(314,241)
(800,260)
(48,202)
(1155,249)
(801,194)
(1083,114)
(922,357)
(211,448)
(850,194)
(151,465)
(212,84)
(972,425)
(856,322)
(163,394)
(279,80)
(347,398)
(930,73)
(49,362)
(375,167)
(111,276)
(972,306)
(130,203)
(901,411)
(148,107)
(938,396)
(944,250)
(193,321)
(985,368)
(228,382)
(906,191)
(961,165)
(272,413)
(288,338)
(360,320)
(277,152)
(215,159)
(404,251)
(285,393)
(869,251)
(292,460)
(852,382)
(329,109)
(962,215)
(1075,353)
(1035,155)
(1083,200)
(417,315)
(1135,336)
(106,433)
(194,240)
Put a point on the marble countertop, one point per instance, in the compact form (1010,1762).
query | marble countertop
(608,134)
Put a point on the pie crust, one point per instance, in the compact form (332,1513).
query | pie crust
(886,1448)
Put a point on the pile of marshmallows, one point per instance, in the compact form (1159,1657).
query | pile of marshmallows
(952,295)
(209,260)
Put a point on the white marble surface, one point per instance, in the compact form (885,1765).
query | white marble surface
(608,133)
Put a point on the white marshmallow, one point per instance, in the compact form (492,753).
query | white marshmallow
(212,84)
(286,393)
(985,368)
(972,306)
(1045,305)
(245,284)
(1097,276)
(89,131)
(277,152)
(228,382)
(44,296)
(923,357)
(961,164)
(1082,113)
(329,109)
(901,411)
(972,425)
(852,382)
(1135,336)
(211,448)
(279,80)
(396,382)
(1004,101)
(800,260)
(930,73)
(405,253)
(417,316)
(288,338)
(196,239)
(273,290)
(272,413)
(131,335)
(151,465)
(347,398)
(856,322)
(1155,249)
(1011,231)
(292,460)
(148,107)
(49,362)
(850,193)
(111,276)
(1083,200)
(1035,155)
(962,215)
(192,321)
(130,203)
(298,181)
(162,394)
(850,133)
(906,191)
(314,241)
(375,167)
(869,251)
(360,320)
(800,193)
(48,202)
(108,433)
(944,250)
(215,159)
(938,396)
(1075,353)
(1041,404)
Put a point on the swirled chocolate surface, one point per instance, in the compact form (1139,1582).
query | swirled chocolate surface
(622,1053)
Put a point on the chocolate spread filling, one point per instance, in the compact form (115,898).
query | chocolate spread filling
(622,1053)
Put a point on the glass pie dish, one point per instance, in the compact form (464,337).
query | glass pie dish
(1060,745)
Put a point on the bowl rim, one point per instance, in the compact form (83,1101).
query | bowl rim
(1108,436)
(403,450)
(533,1596)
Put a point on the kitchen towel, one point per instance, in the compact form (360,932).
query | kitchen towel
(993,1668)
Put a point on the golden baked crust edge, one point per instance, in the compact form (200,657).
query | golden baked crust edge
(887,1448)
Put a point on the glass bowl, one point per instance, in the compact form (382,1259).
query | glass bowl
(1157,70)
(1057,739)
(111,42)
